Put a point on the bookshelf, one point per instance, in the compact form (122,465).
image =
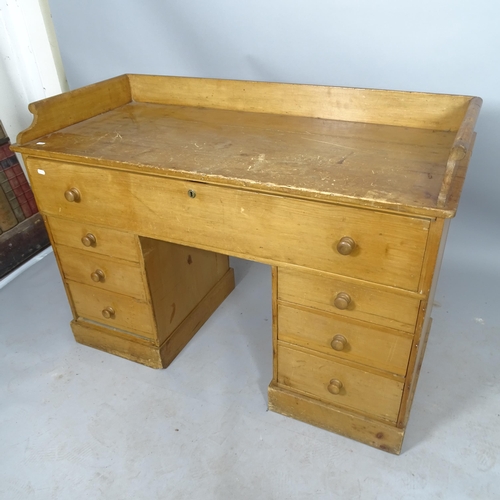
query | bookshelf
(22,232)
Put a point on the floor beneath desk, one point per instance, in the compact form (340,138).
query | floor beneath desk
(79,423)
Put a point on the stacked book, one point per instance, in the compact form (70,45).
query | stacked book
(22,232)
(16,198)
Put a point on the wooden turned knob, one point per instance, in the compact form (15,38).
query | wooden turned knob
(89,240)
(98,276)
(108,313)
(342,300)
(73,195)
(335,386)
(346,245)
(339,342)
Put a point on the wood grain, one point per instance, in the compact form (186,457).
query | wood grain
(198,169)
(361,390)
(453,169)
(195,320)
(461,149)
(271,229)
(178,277)
(276,317)
(366,343)
(433,259)
(72,107)
(147,351)
(132,314)
(116,244)
(372,432)
(403,109)
(362,130)
(396,168)
(117,342)
(119,276)
(318,291)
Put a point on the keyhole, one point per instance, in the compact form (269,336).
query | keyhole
(191,193)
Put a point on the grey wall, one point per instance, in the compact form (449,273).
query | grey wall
(448,46)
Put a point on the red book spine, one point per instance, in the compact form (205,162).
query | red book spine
(15,185)
(7,217)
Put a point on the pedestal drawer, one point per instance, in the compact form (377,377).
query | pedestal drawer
(112,309)
(339,384)
(94,239)
(361,301)
(349,340)
(102,272)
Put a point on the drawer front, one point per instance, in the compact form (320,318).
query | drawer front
(130,314)
(363,302)
(357,389)
(387,249)
(94,239)
(102,272)
(353,341)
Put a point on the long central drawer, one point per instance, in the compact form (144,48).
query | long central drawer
(381,247)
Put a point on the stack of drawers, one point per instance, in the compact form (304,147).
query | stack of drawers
(134,296)
(344,341)
(103,272)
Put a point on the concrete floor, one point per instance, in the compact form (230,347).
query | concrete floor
(78,423)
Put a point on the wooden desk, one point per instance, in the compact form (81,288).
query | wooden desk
(147,184)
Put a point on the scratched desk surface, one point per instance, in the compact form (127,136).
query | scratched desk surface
(307,157)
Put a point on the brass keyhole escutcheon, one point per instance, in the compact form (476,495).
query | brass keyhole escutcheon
(191,193)
(108,312)
(89,240)
(98,276)
(72,195)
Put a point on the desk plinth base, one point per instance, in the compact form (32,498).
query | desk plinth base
(377,434)
(145,351)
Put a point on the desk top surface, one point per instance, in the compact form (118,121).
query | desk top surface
(400,168)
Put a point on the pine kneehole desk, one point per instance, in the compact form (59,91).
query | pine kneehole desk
(147,184)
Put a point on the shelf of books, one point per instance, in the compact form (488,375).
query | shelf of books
(22,232)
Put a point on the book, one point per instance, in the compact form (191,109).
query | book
(7,217)
(14,185)
(22,232)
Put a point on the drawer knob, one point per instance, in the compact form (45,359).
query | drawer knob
(335,386)
(339,342)
(89,240)
(342,300)
(73,195)
(346,245)
(108,313)
(98,276)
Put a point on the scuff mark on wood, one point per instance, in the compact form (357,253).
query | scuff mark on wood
(344,158)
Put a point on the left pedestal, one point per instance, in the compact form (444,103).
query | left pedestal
(138,298)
